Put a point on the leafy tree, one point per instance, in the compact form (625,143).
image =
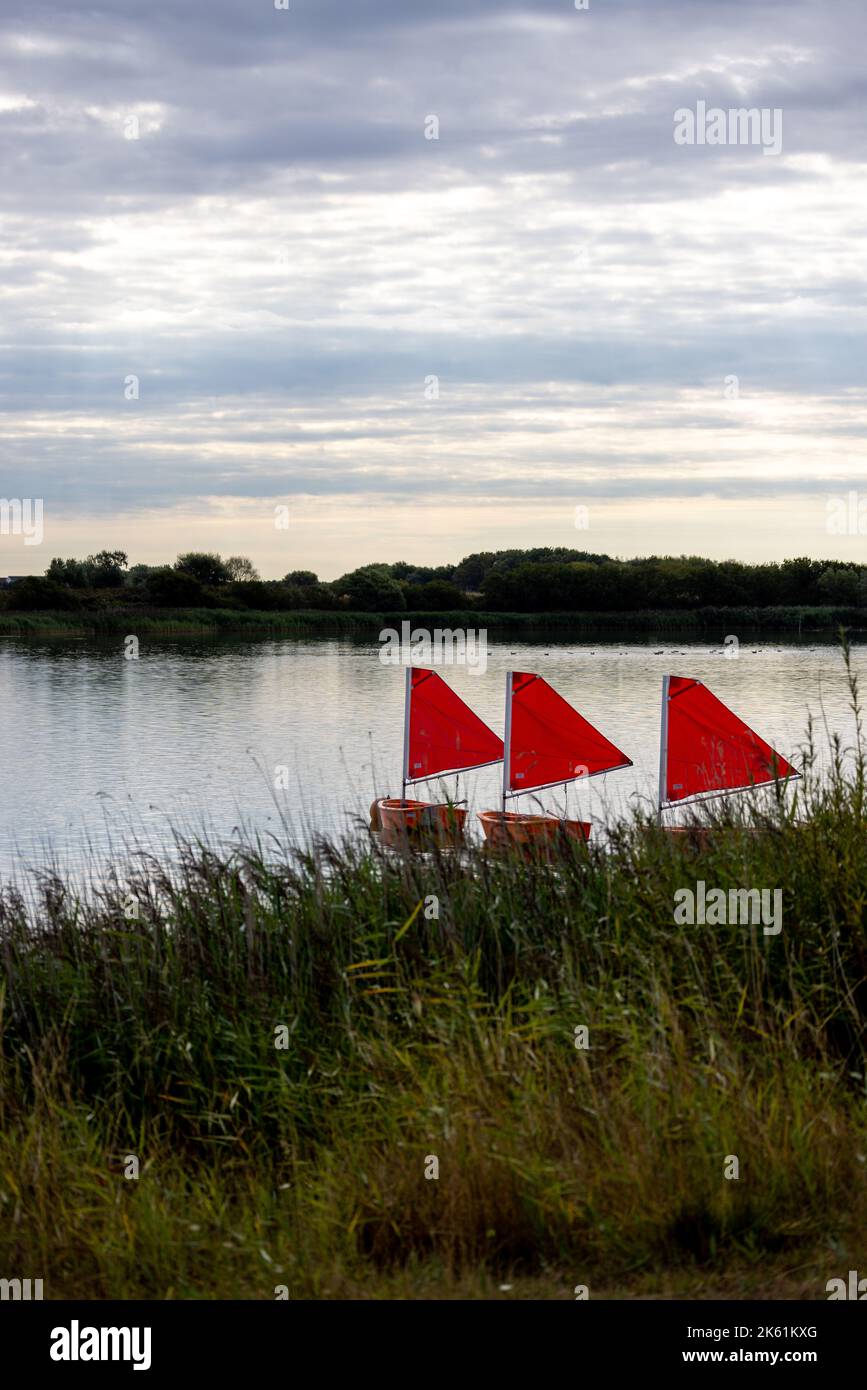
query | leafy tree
(318,596)
(301,579)
(472,570)
(254,593)
(800,580)
(420,574)
(241,570)
(370,589)
(204,566)
(436,596)
(174,588)
(101,571)
(137,574)
(840,586)
(109,559)
(71,573)
(34,594)
(106,568)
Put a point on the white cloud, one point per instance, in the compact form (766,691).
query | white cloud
(283,259)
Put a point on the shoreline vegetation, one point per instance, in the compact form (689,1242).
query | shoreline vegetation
(715,622)
(283,1040)
(544,590)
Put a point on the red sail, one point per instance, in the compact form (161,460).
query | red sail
(709,749)
(550,741)
(444,733)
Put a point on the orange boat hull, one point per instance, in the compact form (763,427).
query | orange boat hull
(696,836)
(403,823)
(512,830)
(704,837)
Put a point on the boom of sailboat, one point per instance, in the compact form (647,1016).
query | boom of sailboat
(706,750)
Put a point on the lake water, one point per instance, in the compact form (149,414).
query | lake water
(99,750)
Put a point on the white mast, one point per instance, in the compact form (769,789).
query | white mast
(406,710)
(663,747)
(507,739)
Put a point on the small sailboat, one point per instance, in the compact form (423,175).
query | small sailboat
(442,736)
(707,751)
(548,744)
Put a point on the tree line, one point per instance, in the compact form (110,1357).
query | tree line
(541,580)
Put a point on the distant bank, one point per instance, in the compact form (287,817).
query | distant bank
(713,622)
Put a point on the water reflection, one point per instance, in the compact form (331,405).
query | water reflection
(99,749)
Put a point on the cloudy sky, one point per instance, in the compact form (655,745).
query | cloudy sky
(428,346)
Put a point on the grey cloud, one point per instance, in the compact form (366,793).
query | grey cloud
(315,115)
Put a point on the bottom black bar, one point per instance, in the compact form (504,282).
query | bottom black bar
(159,1339)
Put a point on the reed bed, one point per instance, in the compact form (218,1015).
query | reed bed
(428,1006)
(697,622)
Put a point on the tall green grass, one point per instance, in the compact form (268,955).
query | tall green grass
(194,621)
(412,1035)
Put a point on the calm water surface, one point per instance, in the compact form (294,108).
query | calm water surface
(99,751)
